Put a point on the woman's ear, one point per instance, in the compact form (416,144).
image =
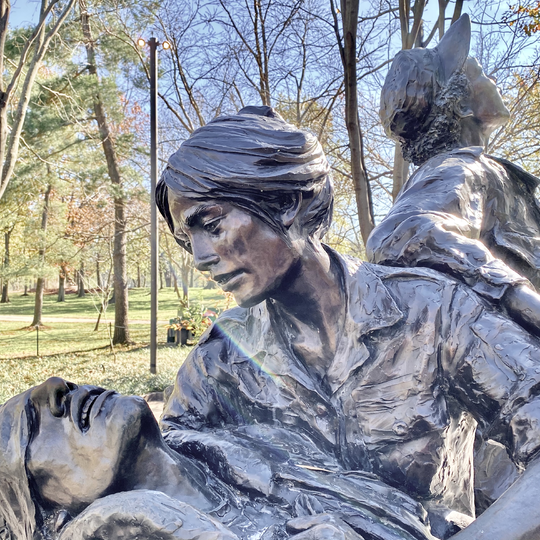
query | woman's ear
(290,208)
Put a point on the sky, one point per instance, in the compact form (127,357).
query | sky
(24,12)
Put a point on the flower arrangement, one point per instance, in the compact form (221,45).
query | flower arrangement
(193,318)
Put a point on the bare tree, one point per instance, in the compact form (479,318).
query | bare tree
(348,53)
(52,15)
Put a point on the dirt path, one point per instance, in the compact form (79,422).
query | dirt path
(28,319)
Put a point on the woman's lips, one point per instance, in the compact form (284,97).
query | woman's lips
(85,411)
(80,403)
(229,280)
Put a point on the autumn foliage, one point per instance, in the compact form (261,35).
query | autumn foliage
(526,17)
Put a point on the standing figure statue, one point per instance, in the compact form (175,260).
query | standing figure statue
(462,212)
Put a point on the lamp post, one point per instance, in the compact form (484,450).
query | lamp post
(154,245)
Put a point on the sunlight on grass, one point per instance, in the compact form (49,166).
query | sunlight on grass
(75,352)
(88,307)
(126,371)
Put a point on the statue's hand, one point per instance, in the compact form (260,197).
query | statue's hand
(321,527)
(145,515)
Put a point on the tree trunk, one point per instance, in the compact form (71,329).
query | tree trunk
(40,286)
(98,274)
(176,290)
(185,282)
(38,305)
(347,47)
(400,172)
(101,311)
(138,276)
(5,285)
(61,287)
(121,330)
(26,290)
(81,293)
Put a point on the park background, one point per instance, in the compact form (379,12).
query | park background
(75,151)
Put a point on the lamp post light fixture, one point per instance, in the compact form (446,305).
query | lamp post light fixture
(154,245)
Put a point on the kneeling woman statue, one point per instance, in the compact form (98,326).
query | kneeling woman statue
(345,366)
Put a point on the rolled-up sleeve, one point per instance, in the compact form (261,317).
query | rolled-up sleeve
(193,403)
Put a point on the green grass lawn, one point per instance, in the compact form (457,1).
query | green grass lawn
(127,370)
(88,307)
(77,353)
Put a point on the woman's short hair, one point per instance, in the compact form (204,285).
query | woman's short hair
(256,161)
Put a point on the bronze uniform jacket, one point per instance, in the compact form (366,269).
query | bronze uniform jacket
(422,360)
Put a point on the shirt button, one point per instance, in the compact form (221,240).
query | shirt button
(321,410)
(400,427)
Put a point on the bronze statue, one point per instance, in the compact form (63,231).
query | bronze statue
(82,463)
(462,212)
(345,366)
(340,400)
(62,447)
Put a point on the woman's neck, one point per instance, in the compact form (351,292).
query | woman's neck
(312,302)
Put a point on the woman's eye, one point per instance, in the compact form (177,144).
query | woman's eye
(212,226)
(183,239)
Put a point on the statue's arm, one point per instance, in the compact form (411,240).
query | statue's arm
(196,420)
(436,223)
(210,416)
(523,305)
(144,515)
(493,369)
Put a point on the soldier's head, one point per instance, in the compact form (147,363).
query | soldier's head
(430,96)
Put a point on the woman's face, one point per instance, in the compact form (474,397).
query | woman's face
(485,101)
(242,253)
(84,441)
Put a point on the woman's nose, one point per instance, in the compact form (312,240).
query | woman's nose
(204,254)
(52,393)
